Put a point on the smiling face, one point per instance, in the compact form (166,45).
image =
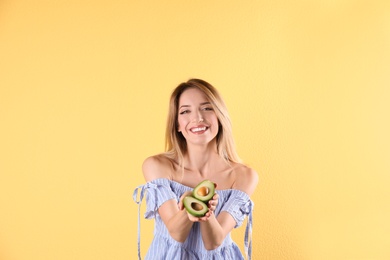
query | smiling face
(197,120)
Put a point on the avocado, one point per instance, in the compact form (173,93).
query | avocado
(204,191)
(195,207)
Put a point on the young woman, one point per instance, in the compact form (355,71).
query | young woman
(199,146)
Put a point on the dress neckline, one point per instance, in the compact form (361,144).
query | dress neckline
(188,187)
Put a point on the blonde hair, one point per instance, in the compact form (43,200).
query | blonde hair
(175,143)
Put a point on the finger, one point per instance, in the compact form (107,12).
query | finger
(207,215)
(193,219)
(185,194)
(214,200)
(180,204)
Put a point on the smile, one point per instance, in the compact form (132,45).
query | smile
(198,129)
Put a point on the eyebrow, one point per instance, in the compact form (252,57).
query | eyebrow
(203,103)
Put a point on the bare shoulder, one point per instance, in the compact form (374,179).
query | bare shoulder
(156,166)
(246,179)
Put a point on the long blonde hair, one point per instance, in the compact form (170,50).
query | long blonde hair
(175,143)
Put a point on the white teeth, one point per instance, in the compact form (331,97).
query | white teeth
(198,129)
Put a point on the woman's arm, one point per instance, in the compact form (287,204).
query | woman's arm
(174,218)
(215,229)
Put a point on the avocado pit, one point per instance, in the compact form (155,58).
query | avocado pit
(203,191)
(196,206)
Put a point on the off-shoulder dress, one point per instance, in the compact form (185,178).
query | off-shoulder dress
(163,247)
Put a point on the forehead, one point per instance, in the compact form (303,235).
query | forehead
(192,95)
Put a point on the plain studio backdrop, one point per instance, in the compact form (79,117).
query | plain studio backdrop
(84,88)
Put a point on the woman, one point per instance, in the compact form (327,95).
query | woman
(199,146)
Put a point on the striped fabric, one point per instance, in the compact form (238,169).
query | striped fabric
(163,247)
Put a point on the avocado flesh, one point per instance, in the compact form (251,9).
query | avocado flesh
(195,207)
(204,191)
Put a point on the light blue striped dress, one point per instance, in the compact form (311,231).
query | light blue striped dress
(164,247)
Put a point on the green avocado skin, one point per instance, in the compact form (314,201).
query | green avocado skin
(187,201)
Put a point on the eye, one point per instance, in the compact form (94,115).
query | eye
(208,109)
(184,112)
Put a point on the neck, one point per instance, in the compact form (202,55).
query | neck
(201,159)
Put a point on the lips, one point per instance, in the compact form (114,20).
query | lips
(198,129)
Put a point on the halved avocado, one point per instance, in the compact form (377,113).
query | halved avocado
(195,207)
(204,191)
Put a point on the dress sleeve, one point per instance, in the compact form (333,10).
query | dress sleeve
(238,205)
(158,192)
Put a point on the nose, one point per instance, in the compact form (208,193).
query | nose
(198,117)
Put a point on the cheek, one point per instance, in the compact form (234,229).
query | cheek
(181,123)
(215,120)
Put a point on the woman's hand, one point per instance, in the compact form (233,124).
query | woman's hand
(212,205)
(185,194)
(213,202)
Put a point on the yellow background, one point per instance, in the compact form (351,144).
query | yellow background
(84,89)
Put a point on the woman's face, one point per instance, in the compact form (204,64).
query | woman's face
(196,117)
